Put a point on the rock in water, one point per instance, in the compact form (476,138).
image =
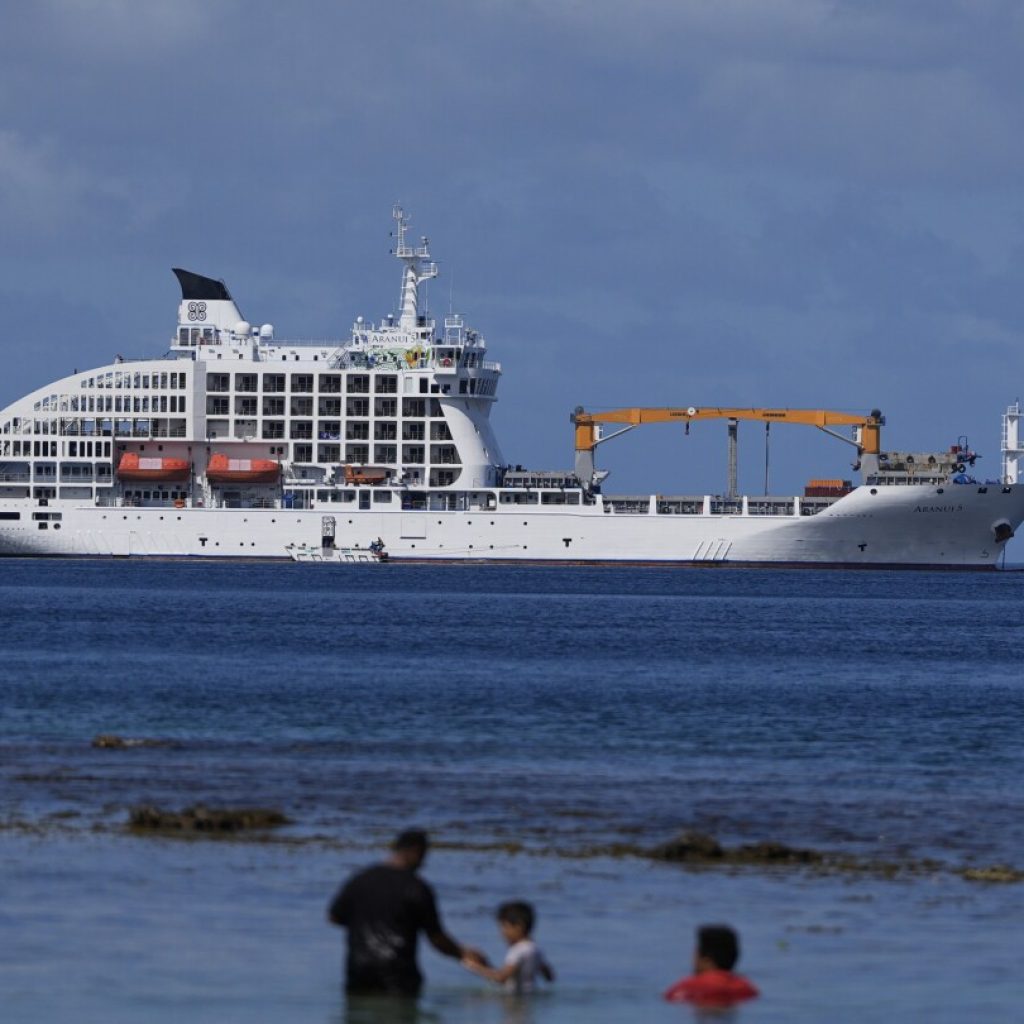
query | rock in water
(200,820)
(690,847)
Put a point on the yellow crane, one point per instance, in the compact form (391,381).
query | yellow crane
(867,429)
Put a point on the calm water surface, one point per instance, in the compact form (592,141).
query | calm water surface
(560,709)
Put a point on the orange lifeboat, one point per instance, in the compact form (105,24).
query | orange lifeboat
(365,474)
(223,470)
(135,467)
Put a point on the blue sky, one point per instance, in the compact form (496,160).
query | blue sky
(661,202)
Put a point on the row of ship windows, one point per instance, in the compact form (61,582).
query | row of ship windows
(127,403)
(331,384)
(123,379)
(68,472)
(137,379)
(302,383)
(104,427)
(443,453)
(271,406)
(106,403)
(413,408)
(49,449)
(415,454)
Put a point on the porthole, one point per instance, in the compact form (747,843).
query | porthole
(873,491)
(938,490)
(56,526)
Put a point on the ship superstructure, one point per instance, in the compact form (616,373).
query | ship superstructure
(238,444)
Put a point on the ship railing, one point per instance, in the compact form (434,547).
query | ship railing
(726,506)
(771,506)
(906,481)
(693,506)
(628,506)
(305,343)
(15,478)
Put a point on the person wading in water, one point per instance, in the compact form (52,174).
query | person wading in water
(384,908)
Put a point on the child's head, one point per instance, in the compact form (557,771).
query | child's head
(515,919)
(718,948)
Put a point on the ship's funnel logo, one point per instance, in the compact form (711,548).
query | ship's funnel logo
(197,311)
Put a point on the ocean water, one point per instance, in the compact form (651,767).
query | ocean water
(548,726)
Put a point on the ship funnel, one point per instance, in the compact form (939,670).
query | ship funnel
(205,302)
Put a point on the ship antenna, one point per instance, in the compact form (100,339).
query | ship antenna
(418,267)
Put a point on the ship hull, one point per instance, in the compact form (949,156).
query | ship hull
(907,526)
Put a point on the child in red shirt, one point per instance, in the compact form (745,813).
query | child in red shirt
(713,982)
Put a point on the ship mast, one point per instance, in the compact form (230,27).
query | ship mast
(418,267)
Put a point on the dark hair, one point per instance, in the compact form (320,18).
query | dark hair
(518,913)
(720,944)
(411,839)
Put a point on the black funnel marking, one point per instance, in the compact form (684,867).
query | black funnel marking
(195,286)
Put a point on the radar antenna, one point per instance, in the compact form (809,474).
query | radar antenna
(418,268)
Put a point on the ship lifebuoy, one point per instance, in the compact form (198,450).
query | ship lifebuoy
(446,362)
(960,467)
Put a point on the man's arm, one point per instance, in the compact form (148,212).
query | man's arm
(445,944)
(339,910)
(430,922)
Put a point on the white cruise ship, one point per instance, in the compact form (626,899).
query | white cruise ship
(236,444)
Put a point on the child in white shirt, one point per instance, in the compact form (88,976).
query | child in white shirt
(523,961)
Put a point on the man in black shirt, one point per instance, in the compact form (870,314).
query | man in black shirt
(384,908)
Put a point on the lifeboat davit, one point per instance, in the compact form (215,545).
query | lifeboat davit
(223,470)
(138,467)
(365,474)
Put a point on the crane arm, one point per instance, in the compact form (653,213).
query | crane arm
(869,441)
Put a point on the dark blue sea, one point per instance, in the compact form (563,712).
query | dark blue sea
(548,726)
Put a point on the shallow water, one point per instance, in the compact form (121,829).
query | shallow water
(563,709)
